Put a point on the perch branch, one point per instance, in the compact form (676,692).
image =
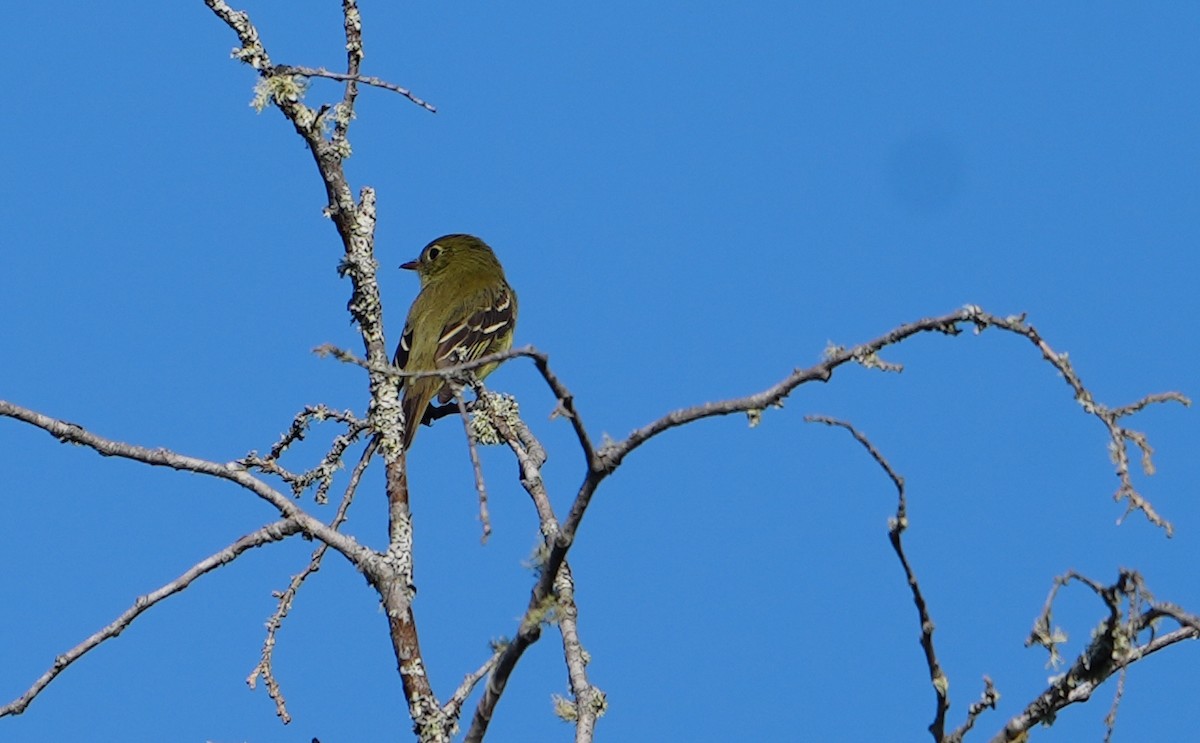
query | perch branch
(605,461)
(355,222)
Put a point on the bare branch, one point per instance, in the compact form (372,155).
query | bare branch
(72,433)
(329,464)
(272,532)
(476,466)
(605,461)
(392,575)
(589,702)
(986,701)
(453,707)
(896,527)
(352,24)
(354,78)
(1113,647)
(252,51)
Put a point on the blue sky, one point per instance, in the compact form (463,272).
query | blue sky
(691,199)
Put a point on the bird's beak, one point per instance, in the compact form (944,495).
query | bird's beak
(411,265)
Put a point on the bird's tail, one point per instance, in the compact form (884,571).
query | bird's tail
(414,403)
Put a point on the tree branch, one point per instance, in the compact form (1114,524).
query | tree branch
(605,461)
(265,667)
(896,528)
(1112,649)
(354,78)
(589,702)
(72,433)
(272,532)
(355,222)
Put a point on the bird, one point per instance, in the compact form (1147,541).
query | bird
(464,311)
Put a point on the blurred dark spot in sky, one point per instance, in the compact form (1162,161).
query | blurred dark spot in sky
(925,172)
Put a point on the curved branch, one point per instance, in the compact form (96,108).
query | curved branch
(605,461)
(897,525)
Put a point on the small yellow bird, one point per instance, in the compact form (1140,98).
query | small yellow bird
(465,310)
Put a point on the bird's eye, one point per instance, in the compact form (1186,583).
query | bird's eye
(434,252)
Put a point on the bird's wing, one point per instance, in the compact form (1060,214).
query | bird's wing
(479,334)
(405,346)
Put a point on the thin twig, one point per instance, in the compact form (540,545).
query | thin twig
(1110,720)
(364,79)
(473,451)
(986,701)
(352,25)
(453,707)
(896,527)
(265,667)
(323,472)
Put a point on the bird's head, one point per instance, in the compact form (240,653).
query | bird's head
(455,256)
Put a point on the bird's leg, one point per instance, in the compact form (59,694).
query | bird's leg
(434,412)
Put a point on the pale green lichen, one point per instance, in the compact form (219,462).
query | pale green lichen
(832,350)
(278,89)
(342,114)
(599,702)
(568,711)
(537,558)
(343,149)
(502,407)
(871,360)
(941,683)
(564,709)
(544,613)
